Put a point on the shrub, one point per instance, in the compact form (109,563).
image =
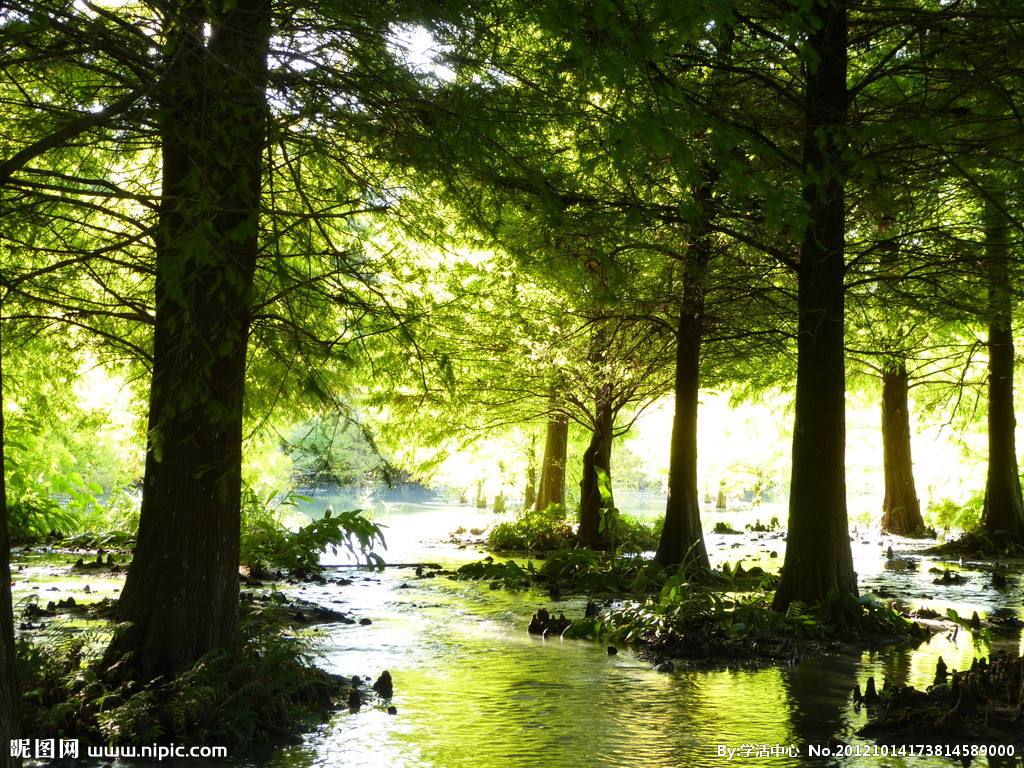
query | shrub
(634,535)
(549,530)
(268,545)
(682,611)
(533,531)
(948,514)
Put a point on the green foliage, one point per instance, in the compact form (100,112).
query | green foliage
(949,515)
(267,544)
(549,530)
(501,575)
(532,531)
(263,687)
(682,609)
(332,449)
(570,569)
(635,536)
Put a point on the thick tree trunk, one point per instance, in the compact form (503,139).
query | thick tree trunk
(901,510)
(552,471)
(682,538)
(181,595)
(818,556)
(8,681)
(597,456)
(1003,512)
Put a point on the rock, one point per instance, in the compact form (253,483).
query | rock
(942,691)
(870,694)
(544,624)
(949,578)
(665,666)
(365,622)
(612,650)
(384,686)
(355,700)
(392,710)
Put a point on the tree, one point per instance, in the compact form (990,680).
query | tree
(551,489)
(9,695)
(901,509)
(818,556)
(181,594)
(1003,511)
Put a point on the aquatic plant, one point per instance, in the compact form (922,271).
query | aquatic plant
(692,618)
(267,544)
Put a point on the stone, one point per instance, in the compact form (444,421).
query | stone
(384,685)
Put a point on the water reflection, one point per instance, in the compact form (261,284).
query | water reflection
(472,688)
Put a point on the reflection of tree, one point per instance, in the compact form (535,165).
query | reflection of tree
(819,690)
(896,667)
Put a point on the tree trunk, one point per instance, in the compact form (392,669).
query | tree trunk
(8,681)
(597,456)
(682,538)
(901,510)
(1003,512)
(181,595)
(530,495)
(818,556)
(552,471)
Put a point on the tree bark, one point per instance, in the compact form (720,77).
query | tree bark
(552,471)
(9,699)
(901,510)
(818,557)
(682,538)
(597,456)
(1003,512)
(181,595)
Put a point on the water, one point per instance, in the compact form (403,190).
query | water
(472,688)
